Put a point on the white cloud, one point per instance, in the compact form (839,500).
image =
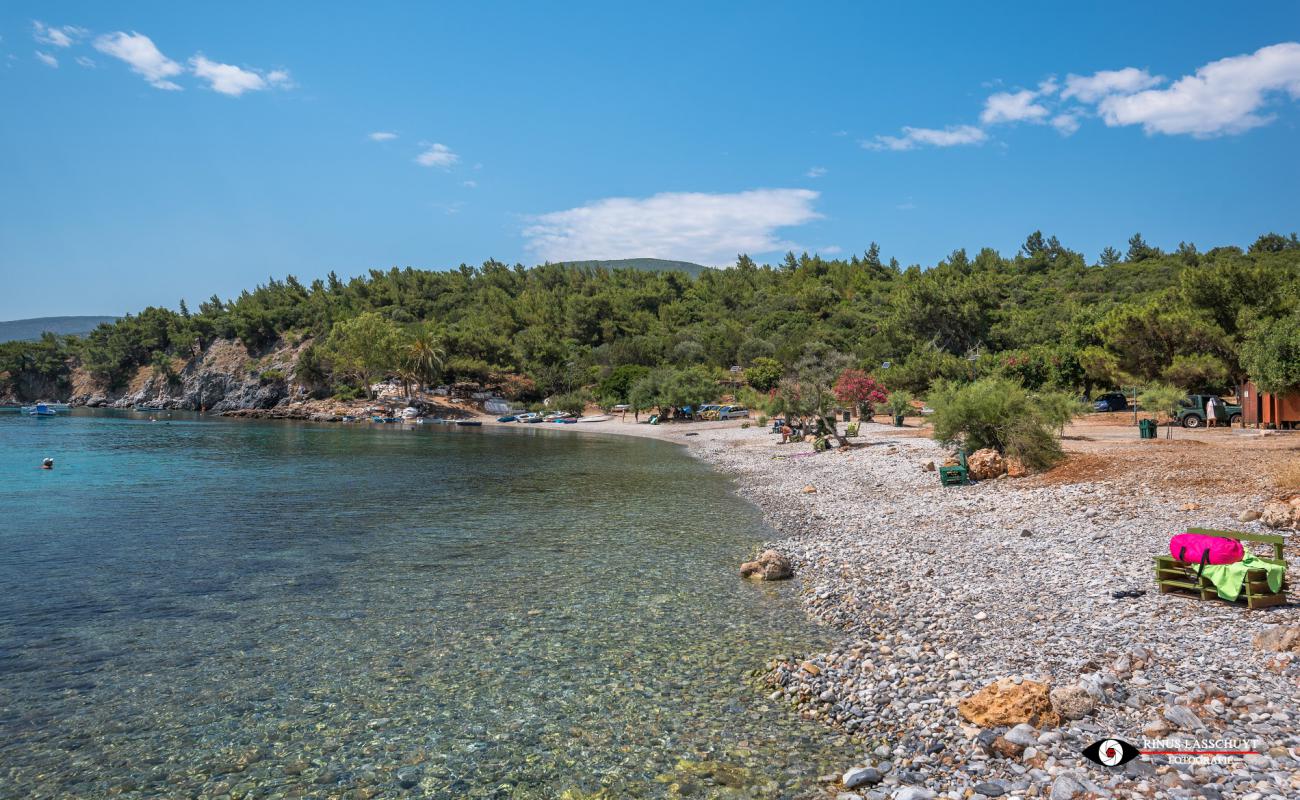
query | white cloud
(86,61)
(1222,97)
(1066,124)
(469,184)
(56,36)
(382,136)
(815,172)
(47,59)
(144,58)
(692,226)
(231,80)
(437,155)
(1013,107)
(950,136)
(1091,88)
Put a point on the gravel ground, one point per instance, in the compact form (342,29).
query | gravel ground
(939,592)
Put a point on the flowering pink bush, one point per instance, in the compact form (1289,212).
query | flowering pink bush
(856,388)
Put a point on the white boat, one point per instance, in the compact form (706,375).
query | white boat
(596,418)
(410,412)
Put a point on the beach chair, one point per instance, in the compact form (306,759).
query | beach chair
(955,476)
(1180,577)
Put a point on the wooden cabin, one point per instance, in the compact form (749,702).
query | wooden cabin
(1268,410)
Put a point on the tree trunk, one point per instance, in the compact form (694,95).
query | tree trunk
(834,431)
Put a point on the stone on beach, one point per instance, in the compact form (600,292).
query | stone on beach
(1279,639)
(1278,515)
(1073,701)
(1008,702)
(769,566)
(986,464)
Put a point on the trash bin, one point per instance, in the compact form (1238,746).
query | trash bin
(847,415)
(1147,429)
(898,420)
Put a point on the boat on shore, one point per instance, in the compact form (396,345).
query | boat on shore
(469,423)
(596,418)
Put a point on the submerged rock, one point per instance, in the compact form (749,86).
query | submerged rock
(769,566)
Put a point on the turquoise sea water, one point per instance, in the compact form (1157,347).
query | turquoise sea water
(199,607)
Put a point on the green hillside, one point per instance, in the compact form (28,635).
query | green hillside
(644,264)
(31,329)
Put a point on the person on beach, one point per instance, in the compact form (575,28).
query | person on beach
(1211,407)
(786,433)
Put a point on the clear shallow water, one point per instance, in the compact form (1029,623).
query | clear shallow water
(205,607)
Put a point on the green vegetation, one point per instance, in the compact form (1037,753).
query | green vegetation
(1044,318)
(1162,400)
(999,413)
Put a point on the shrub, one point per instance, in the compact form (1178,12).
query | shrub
(762,419)
(998,413)
(744,425)
(851,429)
(899,403)
(345,393)
(1162,400)
(572,402)
(271,376)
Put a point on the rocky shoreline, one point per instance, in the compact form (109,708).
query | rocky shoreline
(940,593)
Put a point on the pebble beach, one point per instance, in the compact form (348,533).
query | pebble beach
(937,593)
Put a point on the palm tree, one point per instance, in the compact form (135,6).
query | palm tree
(424,359)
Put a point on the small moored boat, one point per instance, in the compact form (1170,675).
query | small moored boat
(596,418)
(469,423)
(39,410)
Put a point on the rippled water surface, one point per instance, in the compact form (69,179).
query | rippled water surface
(210,608)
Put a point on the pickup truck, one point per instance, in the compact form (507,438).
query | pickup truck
(1191,411)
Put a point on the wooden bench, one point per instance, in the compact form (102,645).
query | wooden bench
(1180,577)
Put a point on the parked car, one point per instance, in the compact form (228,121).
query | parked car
(1111,401)
(733,412)
(1191,411)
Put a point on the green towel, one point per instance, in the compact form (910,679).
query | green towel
(1227,578)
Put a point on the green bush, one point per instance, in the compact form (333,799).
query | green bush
(271,376)
(899,403)
(1162,400)
(998,413)
(345,393)
(572,402)
(851,429)
(744,425)
(762,420)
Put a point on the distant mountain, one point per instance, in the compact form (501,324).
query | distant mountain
(26,329)
(646,264)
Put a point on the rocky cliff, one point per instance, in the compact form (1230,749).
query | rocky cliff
(224,377)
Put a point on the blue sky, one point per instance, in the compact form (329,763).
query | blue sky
(153,151)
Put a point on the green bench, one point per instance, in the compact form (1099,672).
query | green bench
(1180,577)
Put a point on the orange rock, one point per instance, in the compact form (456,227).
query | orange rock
(1005,702)
(811,668)
(810,489)
(1016,468)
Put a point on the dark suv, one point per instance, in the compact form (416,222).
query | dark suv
(1111,401)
